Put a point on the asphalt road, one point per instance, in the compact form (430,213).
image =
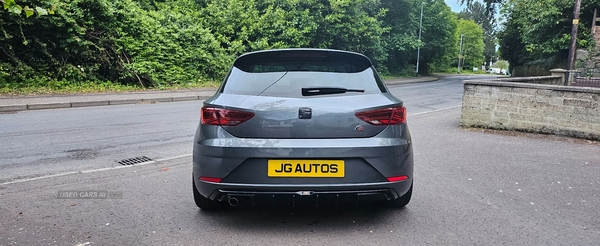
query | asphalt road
(44,142)
(425,97)
(471,187)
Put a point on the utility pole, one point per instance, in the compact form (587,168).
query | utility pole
(573,41)
(419,48)
(460,52)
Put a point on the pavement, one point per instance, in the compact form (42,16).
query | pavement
(20,103)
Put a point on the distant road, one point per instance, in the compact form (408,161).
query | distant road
(424,97)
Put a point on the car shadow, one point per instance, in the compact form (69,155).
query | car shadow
(308,218)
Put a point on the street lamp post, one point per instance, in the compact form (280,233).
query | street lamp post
(460,52)
(573,41)
(419,48)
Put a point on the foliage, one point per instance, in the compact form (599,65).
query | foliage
(354,25)
(472,44)
(502,64)
(181,42)
(440,37)
(544,25)
(478,13)
(166,46)
(491,6)
(112,40)
(537,30)
(511,47)
(401,42)
(14,8)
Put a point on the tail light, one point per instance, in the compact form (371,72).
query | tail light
(224,117)
(397,178)
(210,179)
(384,117)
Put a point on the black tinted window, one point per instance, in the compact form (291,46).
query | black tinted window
(290,84)
(284,73)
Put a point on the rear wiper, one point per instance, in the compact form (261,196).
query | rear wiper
(314,91)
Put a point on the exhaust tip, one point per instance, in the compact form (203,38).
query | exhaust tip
(233,201)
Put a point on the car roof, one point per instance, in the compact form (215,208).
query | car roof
(302,49)
(247,60)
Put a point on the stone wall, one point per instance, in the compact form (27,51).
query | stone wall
(540,67)
(550,109)
(546,80)
(530,70)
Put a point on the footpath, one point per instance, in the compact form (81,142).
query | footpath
(20,103)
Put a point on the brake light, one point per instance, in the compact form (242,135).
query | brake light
(397,178)
(223,117)
(211,179)
(384,117)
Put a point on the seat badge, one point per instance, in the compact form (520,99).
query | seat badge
(359,128)
(304,113)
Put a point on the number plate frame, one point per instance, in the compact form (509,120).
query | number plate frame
(306,168)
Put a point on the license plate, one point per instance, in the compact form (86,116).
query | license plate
(306,168)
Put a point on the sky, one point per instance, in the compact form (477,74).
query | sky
(454,5)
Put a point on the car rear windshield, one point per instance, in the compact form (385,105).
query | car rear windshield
(284,74)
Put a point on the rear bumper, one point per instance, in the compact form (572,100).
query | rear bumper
(385,191)
(316,199)
(242,164)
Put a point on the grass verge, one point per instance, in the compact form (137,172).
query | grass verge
(64,87)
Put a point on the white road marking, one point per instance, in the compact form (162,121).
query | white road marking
(437,110)
(114,167)
(94,170)
(83,244)
(173,158)
(38,178)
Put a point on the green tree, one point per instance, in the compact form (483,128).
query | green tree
(13,7)
(536,30)
(401,42)
(472,44)
(502,64)
(100,40)
(57,46)
(511,47)
(545,26)
(176,42)
(247,25)
(284,24)
(492,6)
(478,13)
(354,25)
(439,34)
(167,45)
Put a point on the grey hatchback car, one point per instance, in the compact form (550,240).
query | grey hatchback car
(292,125)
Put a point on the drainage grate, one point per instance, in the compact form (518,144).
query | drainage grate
(134,160)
